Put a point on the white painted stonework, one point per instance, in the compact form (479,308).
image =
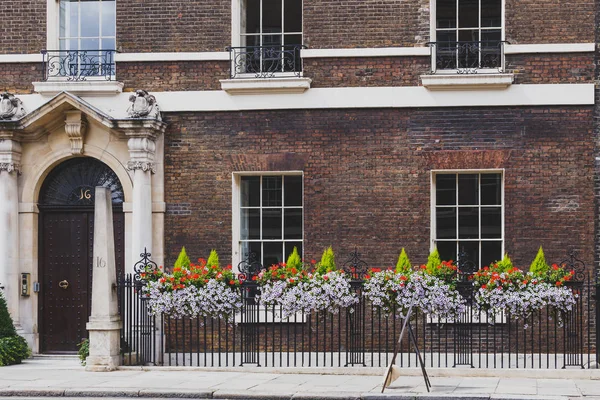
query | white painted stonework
(105,323)
(56,130)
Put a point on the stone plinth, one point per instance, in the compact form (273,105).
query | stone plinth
(105,324)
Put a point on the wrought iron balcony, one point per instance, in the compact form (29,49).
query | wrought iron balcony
(78,65)
(265,61)
(468,57)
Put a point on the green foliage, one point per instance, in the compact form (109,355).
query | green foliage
(327,263)
(505,264)
(539,267)
(403,266)
(6,325)
(213,259)
(183,261)
(434,260)
(294,260)
(83,350)
(13,349)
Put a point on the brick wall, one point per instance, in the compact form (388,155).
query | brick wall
(22,26)
(167,26)
(171,76)
(367,175)
(552,68)
(17,77)
(549,21)
(365,23)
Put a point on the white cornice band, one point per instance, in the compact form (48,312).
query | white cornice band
(318,53)
(549,48)
(367,52)
(345,98)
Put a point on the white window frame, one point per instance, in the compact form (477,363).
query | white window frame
(53,36)
(236,242)
(236,35)
(433,35)
(433,205)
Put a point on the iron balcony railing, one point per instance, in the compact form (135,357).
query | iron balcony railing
(265,61)
(468,57)
(78,65)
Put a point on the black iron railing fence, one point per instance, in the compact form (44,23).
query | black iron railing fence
(362,336)
(270,61)
(78,65)
(468,57)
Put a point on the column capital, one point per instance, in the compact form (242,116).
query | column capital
(10,156)
(141,153)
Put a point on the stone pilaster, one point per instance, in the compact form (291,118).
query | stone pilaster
(105,324)
(10,158)
(141,151)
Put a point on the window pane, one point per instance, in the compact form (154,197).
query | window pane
(468,223)
(447,250)
(90,44)
(470,250)
(445,189)
(468,35)
(490,252)
(468,189)
(468,13)
(271,17)
(446,14)
(272,253)
(250,191)
(491,222)
(271,223)
(293,223)
(445,223)
(491,12)
(271,191)
(73,30)
(292,60)
(250,224)
(108,18)
(62,21)
(490,48)
(292,19)
(293,191)
(248,248)
(252,17)
(289,248)
(108,44)
(90,22)
(491,189)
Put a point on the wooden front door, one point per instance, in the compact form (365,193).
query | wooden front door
(66,243)
(66,275)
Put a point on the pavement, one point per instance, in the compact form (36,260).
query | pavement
(48,377)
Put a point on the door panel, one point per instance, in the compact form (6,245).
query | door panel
(66,260)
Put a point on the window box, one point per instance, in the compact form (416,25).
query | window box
(263,86)
(466,82)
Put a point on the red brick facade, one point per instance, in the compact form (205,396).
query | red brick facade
(23,27)
(367,175)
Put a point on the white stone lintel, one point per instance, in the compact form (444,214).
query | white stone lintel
(79,88)
(265,85)
(467,81)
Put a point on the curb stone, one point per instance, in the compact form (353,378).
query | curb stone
(247,395)
(32,392)
(179,394)
(328,396)
(98,392)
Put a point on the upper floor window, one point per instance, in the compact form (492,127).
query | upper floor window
(86,40)
(468,215)
(270,38)
(468,35)
(271,217)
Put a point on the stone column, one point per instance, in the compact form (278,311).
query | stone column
(141,151)
(105,324)
(10,157)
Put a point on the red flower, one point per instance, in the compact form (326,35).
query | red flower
(232,282)
(313,261)
(282,276)
(254,277)
(325,277)
(559,283)
(484,286)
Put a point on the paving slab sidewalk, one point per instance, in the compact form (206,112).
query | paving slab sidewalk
(38,378)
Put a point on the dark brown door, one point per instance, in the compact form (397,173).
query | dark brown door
(65,259)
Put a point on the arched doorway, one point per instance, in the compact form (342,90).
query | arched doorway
(66,232)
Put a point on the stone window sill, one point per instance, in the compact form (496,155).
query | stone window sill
(265,85)
(78,88)
(467,81)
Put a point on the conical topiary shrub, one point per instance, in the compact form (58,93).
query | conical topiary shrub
(539,267)
(505,264)
(327,263)
(183,261)
(403,265)
(294,260)
(213,260)
(13,348)
(433,260)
